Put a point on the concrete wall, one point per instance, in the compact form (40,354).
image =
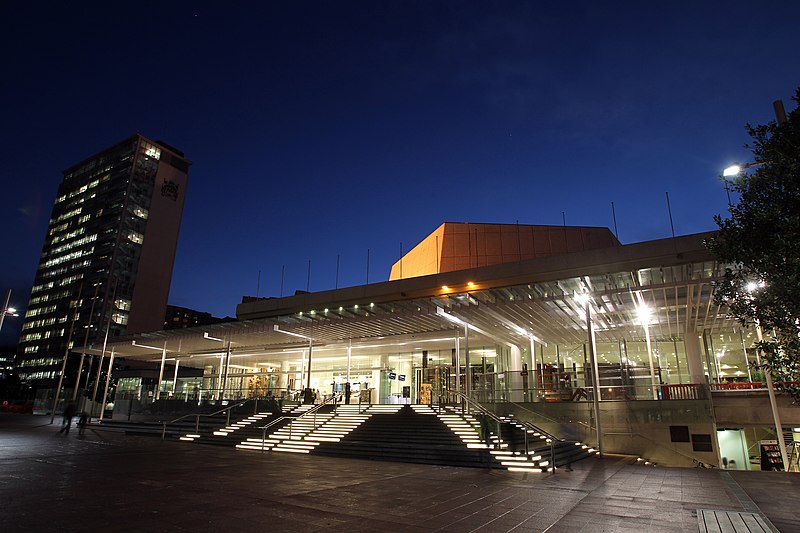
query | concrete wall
(752,409)
(639,428)
(154,273)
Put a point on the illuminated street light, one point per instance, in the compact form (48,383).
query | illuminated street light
(732,170)
(10,311)
(737,168)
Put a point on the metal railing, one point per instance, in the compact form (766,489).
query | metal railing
(552,420)
(334,399)
(467,402)
(197,418)
(608,393)
(750,385)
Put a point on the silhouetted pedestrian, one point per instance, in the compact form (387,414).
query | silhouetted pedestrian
(347,393)
(82,422)
(483,418)
(485,432)
(69,412)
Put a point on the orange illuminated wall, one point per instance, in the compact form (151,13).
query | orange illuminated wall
(459,246)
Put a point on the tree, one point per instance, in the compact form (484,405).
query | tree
(760,241)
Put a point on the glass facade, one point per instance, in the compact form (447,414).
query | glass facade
(522,342)
(87,272)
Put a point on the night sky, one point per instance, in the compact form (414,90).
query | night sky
(319,129)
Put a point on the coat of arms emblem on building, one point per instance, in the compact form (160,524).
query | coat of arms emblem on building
(170,190)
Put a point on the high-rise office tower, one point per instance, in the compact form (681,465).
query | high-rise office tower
(106,263)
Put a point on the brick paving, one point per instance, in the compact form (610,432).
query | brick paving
(108,481)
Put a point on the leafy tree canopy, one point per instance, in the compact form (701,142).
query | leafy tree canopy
(760,240)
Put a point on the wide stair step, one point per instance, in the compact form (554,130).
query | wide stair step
(415,434)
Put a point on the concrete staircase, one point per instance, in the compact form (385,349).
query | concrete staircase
(400,433)
(416,434)
(244,428)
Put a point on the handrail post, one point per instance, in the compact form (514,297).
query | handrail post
(197,423)
(263,438)
(164,431)
(553,455)
(228,423)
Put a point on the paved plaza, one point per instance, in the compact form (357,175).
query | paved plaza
(105,480)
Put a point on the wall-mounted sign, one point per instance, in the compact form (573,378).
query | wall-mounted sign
(392,375)
(401,377)
(771,455)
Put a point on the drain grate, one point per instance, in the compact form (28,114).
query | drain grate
(714,521)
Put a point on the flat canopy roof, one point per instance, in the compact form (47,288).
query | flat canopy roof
(502,304)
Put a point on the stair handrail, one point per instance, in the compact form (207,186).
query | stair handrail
(480,408)
(312,411)
(197,418)
(550,419)
(549,438)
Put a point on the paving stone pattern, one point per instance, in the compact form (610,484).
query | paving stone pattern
(108,481)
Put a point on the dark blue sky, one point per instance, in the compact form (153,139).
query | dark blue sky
(325,128)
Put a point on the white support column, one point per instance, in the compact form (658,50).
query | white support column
(517,394)
(458,362)
(308,380)
(691,345)
(468,379)
(533,379)
(161,371)
(596,376)
(227,370)
(108,379)
(175,376)
(349,355)
(299,382)
(218,394)
(653,382)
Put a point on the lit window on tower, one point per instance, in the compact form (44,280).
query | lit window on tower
(152,151)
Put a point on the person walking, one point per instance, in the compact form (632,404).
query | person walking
(82,422)
(69,412)
(486,437)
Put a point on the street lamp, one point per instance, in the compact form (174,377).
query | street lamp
(737,168)
(10,311)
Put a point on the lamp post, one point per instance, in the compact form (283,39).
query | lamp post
(10,311)
(751,288)
(774,405)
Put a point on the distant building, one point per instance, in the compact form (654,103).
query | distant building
(7,354)
(183,317)
(462,245)
(108,255)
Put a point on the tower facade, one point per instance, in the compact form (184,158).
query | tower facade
(107,258)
